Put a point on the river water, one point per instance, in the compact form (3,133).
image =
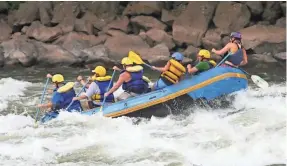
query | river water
(253,137)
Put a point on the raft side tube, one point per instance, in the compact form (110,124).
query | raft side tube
(209,85)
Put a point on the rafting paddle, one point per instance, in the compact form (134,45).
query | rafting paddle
(42,99)
(260,82)
(137,59)
(223,60)
(101,109)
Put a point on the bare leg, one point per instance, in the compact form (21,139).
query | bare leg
(85,105)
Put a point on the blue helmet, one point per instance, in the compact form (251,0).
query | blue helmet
(236,35)
(178,56)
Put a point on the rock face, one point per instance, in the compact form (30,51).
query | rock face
(191,25)
(158,55)
(212,39)
(77,33)
(19,51)
(119,46)
(76,42)
(3,6)
(102,9)
(5,30)
(263,58)
(147,22)
(45,12)
(143,8)
(26,14)
(191,52)
(281,22)
(65,9)
(264,38)
(256,7)
(167,17)
(272,11)
(55,55)
(83,26)
(42,33)
(157,36)
(67,25)
(97,53)
(231,16)
(281,56)
(283,8)
(119,24)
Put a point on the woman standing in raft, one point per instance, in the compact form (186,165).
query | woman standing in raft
(171,72)
(236,53)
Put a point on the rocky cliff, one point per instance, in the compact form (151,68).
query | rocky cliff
(76,33)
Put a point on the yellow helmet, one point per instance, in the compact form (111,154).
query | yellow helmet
(100,70)
(204,53)
(127,61)
(57,78)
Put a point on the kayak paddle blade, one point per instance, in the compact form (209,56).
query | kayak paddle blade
(136,58)
(259,81)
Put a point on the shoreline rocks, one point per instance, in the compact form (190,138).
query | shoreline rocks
(79,33)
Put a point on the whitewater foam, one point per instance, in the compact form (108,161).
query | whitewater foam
(253,137)
(11,89)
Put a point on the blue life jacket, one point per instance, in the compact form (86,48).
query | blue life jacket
(103,86)
(61,100)
(136,84)
(237,57)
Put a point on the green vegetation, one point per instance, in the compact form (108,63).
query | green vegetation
(14,5)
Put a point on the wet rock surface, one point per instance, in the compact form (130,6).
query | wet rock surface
(86,32)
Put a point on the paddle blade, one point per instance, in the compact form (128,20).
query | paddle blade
(136,58)
(259,81)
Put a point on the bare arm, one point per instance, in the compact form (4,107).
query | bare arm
(223,50)
(48,105)
(120,81)
(117,68)
(191,69)
(83,96)
(245,59)
(162,69)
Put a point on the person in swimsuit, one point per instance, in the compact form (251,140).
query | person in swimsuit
(236,53)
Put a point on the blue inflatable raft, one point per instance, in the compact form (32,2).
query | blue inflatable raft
(207,86)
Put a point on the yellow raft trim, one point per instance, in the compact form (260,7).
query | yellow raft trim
(176,94)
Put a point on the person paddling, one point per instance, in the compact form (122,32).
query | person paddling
(62,97)
(204,62)
(236,53)
(97,89)
(171,72)
(131,79)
